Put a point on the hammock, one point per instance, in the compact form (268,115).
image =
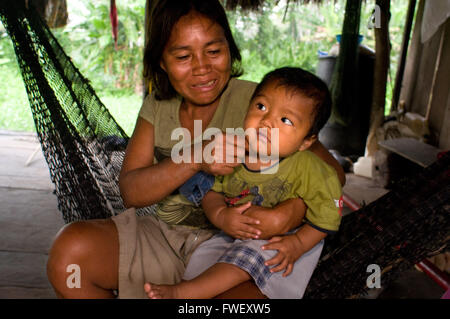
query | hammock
(84,148)
(82,143)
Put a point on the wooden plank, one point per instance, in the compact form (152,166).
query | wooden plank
(412,149)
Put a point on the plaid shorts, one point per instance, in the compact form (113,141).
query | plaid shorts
(248,255)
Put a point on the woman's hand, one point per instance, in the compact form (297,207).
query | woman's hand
(282,218)
(292,247)
(289,250)
(232,221)
(222,154)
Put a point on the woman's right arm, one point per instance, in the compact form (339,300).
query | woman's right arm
(143,183)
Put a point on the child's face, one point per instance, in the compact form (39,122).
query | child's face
(278,107)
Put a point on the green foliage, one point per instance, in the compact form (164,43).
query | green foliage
(124,108)
(278,37)
(14,107)
(91,46)
(268,39)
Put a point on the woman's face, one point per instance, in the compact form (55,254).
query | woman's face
(197,59)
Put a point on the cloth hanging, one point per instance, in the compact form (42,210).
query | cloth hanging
(114,21)
(435,14)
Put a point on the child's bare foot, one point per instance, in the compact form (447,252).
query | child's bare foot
(161,291)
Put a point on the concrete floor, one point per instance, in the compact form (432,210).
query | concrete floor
(29,219)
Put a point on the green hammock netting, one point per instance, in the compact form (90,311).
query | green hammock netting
(84,147)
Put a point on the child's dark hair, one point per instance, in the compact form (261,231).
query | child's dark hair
(307,84)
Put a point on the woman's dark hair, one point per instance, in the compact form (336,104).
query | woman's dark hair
(164,16)
(302,82)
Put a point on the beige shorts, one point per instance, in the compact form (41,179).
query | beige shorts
(152,251)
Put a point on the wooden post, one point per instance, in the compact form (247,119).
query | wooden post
(147,24)
(403,54)
(382,54)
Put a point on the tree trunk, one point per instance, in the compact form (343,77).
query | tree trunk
(382,54)
(54,12)
(343,83)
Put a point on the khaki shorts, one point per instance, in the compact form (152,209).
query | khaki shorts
(152,251)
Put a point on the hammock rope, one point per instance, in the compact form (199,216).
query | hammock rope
(82,143)
(84,148)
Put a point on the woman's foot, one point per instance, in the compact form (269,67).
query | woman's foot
(161,291)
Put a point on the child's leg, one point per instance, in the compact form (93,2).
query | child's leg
(217,279)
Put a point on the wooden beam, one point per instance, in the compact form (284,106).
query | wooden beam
(382,57)
(404,52)
(148,6)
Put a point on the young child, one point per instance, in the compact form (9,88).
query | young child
(298,104)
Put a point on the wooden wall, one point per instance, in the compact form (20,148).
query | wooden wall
(426,83)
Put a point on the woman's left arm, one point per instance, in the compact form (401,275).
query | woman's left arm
(320,150)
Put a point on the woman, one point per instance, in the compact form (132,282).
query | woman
(192,60)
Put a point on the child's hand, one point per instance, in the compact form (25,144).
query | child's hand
(267,219)
(235,224)
(289,250)
(280,219)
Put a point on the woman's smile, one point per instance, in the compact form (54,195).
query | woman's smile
(205,86)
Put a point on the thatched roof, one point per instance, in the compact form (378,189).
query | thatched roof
(257,4)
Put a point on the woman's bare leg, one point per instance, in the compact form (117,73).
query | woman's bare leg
(217,279)
(93,246)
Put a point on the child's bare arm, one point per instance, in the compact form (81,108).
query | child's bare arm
(229,219)
(292,247)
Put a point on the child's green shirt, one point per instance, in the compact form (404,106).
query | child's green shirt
(302,174)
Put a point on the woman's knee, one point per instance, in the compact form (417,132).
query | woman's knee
(69,247)
(82,245)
